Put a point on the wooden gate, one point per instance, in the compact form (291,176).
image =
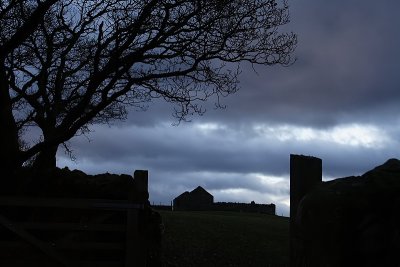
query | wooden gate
(73,232)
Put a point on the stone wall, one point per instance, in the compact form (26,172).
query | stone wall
(350,221)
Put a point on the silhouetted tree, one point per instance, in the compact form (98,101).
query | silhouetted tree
(18,20)
(66,64)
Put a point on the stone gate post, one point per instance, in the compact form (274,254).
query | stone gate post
(305,174)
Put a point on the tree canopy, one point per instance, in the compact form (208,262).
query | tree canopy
(66,64)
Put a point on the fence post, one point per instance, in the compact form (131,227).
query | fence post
(136,252)
(305,174)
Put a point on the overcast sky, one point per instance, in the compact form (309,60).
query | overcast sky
(338,102)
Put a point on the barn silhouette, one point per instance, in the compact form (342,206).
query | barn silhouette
(199,199)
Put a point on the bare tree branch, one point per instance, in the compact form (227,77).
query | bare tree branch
(72,63)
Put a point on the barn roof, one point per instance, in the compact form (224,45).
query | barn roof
(197,190)
(200,189)
(183,195)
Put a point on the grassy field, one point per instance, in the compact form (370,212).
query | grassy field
(225,239)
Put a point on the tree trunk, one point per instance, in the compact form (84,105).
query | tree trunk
(9,145)
(45,160)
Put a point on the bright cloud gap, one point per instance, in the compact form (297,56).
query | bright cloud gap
(354,135)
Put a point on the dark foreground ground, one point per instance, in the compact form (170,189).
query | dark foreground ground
(225,239)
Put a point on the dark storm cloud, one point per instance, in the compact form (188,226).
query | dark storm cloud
(347,64)
(346,69)
(192,148)
(186,147)
(339,101)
